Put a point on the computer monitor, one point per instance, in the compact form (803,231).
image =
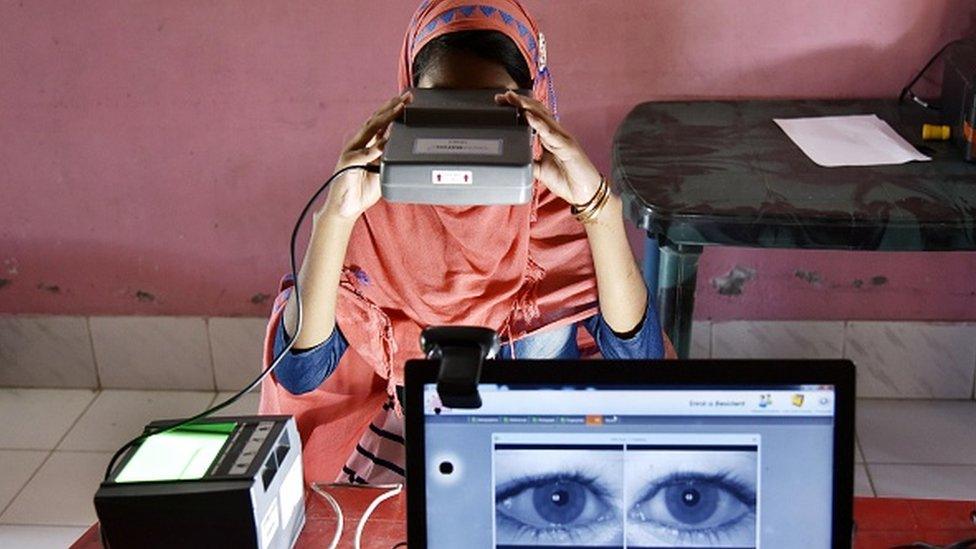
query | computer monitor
(634,454)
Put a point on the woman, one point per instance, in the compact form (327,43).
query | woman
(376,273)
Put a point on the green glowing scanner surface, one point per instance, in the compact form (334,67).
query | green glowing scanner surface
(183,454)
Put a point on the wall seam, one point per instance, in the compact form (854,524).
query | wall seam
(91,342)
(213,364)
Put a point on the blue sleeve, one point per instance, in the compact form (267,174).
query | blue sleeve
(301,371)
(646,342)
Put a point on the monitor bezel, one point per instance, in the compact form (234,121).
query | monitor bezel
(663,373)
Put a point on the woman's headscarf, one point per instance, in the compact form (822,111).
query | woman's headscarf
(516,269)
(437,18)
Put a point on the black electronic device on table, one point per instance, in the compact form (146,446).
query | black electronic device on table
(708,453)
(219,482)
(458,147)
(959,95)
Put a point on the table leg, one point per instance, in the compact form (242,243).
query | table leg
(676,293)
(650,265)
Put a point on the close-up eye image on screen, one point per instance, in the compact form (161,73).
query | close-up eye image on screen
(642,490)
(688,496)
(559,494)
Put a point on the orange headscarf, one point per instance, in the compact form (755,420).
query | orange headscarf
(516,269)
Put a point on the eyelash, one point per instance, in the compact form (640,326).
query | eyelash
(726,479)
(711,535)
(519,485)
(578,533)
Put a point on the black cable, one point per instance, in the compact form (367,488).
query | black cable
(907,90)
(274,363)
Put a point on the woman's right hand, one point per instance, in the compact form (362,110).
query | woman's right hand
(355,191)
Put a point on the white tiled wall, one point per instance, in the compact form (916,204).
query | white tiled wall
(155,352)
(237,345)
(46,351)
(176,353)
(913,359)
(770,339)
(926,360)
(701,340)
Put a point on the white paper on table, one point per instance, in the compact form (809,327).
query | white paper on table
(860,140)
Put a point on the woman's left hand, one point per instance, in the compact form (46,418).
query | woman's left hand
(564,168)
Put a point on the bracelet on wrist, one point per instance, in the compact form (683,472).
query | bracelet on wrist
(588,212)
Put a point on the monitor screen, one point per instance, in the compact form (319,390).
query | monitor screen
(604,466)
(182,454)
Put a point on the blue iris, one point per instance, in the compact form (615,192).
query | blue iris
(691,502)
(559,502)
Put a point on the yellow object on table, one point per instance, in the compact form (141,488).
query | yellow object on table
(936,132)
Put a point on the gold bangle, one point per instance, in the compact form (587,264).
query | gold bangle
(589,211)
(577,209)
(595,212)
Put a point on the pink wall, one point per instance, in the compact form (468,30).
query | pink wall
(155,153)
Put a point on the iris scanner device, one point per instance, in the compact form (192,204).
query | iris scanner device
(458,147)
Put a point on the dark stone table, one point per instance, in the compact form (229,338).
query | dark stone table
(693,174)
